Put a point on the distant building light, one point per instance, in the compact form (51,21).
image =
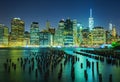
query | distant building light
(59,46)
(17,18)
(78,25)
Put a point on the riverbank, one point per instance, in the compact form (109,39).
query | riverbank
(23,48)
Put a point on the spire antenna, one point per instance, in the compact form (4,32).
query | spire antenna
(90,12)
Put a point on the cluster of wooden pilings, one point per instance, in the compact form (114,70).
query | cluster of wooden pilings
(46,63)
(8,65)
(112,59)
(104,52)
(37,64)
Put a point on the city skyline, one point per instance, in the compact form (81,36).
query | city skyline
(69,33)
(43,10)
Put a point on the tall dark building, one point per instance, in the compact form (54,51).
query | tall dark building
(26,38)
(68,25)
(68,33)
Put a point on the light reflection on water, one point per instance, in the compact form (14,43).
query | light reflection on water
(23,76)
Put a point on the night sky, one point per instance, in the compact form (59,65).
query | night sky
(40,11)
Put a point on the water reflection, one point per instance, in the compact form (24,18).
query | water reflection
(48,64)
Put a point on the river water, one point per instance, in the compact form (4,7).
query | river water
(20,75)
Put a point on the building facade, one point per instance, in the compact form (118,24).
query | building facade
(68,33)
(98,36)
(16,37)
(59,37)
(45,39)
(75,33)
(85,37)
(91,21)
(26,39)
(4,33)
(79,34)
(114,34)
(34,34)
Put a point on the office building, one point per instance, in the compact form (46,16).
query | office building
(79,34)
(91,21)
(85,38)
(4,33)
(34,34)
(98,35)
(68,33)
(45,39)
(75,33)
(59,37)
(114,34)
(17,32)
(26,39)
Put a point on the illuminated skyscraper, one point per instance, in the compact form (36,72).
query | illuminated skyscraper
(45,39)
(52,33)
(114,34)
(85,38)
(91,21)
(17,32)
(114,31)
(79,34)
(75,33)
(98,36)
(4,32)
(110,26)
(59,37)
(34,34)
(68,33)
(26,38)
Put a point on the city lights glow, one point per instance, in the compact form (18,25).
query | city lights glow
(69,33)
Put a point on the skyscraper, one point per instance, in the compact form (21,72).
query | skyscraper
(68,33)
(79,34)
(75,42)
(45,38)
(47,25)
(26,38)
(114,32)
(98,36)
(110,26)
(59,37)
(91,21)
(17,32)
(4,32)
(34,34)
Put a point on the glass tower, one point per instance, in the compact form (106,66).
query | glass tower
(34,34)
(91,21)
(3,35)
(17,32)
